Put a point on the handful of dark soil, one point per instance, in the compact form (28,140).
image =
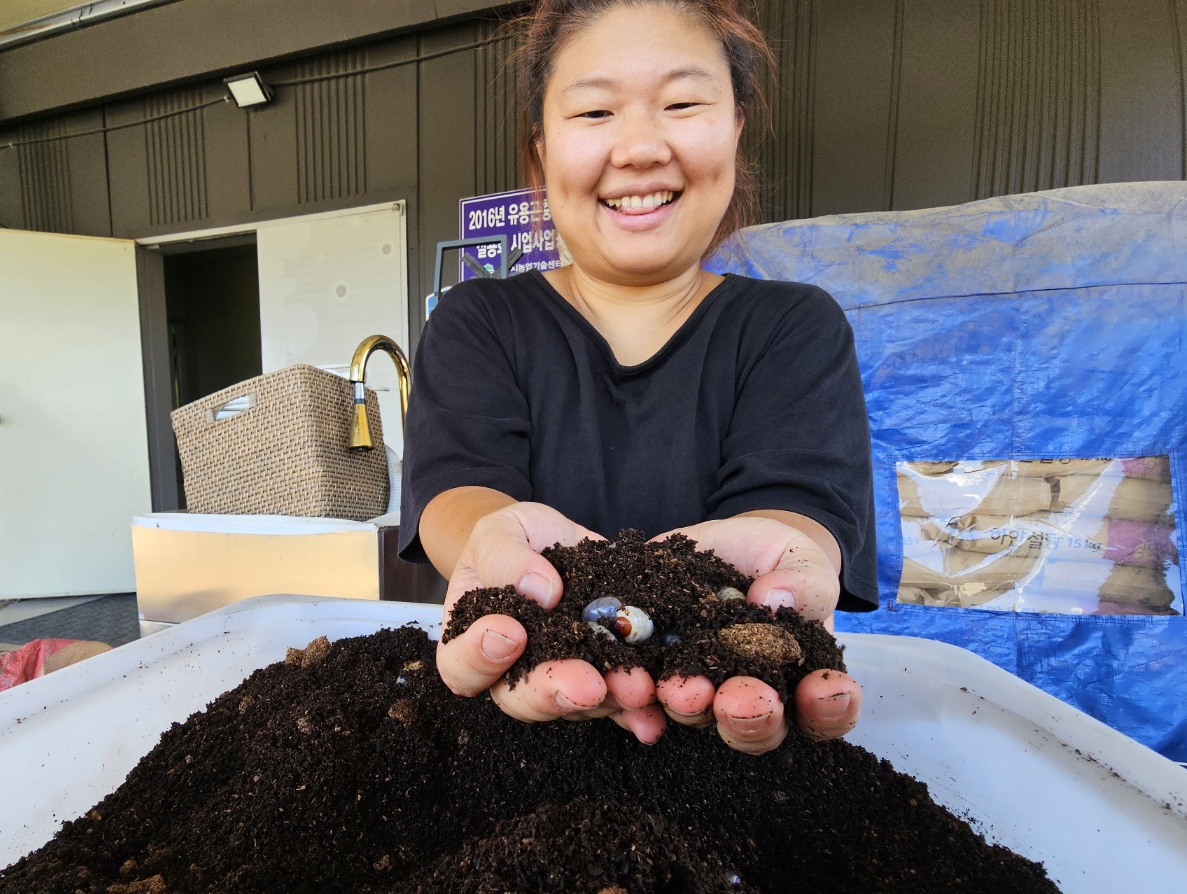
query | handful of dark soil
(351,768)
(694,600)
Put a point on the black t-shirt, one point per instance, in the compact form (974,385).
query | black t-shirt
(755,403)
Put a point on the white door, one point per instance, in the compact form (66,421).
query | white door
(73,436)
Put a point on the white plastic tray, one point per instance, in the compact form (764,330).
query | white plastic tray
(1104,813)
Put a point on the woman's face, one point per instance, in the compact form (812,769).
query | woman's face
(640,137)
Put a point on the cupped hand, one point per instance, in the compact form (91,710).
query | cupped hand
(504,550)
(790,569)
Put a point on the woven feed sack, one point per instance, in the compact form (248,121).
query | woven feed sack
(1046,326)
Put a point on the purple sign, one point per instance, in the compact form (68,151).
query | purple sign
(523,219)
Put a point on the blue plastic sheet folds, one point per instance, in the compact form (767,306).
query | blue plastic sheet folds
(1047,325)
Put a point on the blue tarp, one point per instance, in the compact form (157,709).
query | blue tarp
(1047,325)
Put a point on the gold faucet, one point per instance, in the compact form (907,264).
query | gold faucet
(360,430)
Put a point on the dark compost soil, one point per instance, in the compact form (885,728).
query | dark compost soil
(677,586)
(351,768)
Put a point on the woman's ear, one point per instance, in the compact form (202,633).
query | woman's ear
(739,121)
(539,144)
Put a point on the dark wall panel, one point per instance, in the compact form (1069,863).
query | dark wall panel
(331,144)
(496,155)
(188,39)
(882,104)
(272,142)
(391,108)
(175,149)
(1141,91)
(228,166)
(175,167)
(54,184)
(44,166)
(1038,108)
(854,56)
(418,286)
(88,176)
(933,103)
(127,165)
(154,346)
(1179,25)
(12,209)
(447,141)
(784,154)
(392,147)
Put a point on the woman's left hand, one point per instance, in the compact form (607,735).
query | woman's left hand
(503,549)
(790,569)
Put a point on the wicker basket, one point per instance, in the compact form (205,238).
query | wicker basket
(277,445)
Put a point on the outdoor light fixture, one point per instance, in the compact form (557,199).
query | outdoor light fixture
(248,90)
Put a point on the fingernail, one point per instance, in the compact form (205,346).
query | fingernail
(777,599)
(833,707)
(537,588)
(749,725)
(497,647)
(565,704)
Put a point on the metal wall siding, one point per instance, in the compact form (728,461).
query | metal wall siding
(893,108)
(46,200)
(881,104)
(1141,90)
(448,132)
(784,155)
(1038,124)
(175,148)
(331,128)
(1177,25)
(496,158)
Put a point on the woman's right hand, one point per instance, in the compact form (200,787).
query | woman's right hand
(504,549)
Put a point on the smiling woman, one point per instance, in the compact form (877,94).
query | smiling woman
(736,38)
(637,145)
(635,389)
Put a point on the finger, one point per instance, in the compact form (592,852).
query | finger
(749,715)
(470,663)
(803,581)
(608,706)
(687,700)
(553,689)
(508,545)
(461,581)
(789,567)
(828,704)
(647,724)
(504,558)
(631,689)
(626,690)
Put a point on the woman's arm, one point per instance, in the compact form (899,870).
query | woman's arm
(449,519)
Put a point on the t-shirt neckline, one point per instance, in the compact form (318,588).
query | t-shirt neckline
(678,337)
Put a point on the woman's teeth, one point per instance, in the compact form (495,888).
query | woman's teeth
(642,203)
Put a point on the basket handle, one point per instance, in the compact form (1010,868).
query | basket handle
(231,408)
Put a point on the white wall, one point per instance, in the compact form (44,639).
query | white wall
(73,435)
(328,281)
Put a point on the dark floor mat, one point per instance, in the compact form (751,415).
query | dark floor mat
(111,619)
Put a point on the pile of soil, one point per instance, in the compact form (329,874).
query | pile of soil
(696,630)
(351,768)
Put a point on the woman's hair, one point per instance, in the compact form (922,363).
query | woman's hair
(552,23)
